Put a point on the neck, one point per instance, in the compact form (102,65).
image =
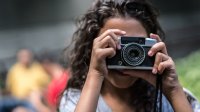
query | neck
(26,65)
(117,97)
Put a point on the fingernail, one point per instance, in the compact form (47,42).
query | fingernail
(154,71)
(123,32)
(150,53)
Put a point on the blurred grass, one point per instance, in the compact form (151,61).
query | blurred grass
(188,69)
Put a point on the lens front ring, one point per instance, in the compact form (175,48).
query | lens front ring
(133,54)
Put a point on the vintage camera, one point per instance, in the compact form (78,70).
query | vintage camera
(133,54)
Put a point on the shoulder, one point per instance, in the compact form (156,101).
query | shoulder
(69,100)
(192,100)
(71,97)
(14,69)
(36,65)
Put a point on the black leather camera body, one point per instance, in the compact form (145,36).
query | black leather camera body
(133,54)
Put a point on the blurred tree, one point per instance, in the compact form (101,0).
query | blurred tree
(189,73)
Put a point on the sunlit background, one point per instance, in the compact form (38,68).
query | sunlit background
(49,24)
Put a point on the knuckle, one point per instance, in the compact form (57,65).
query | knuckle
(155,65)
(108,37)
(171,61)
(170,58)
(113,52)
(98,54)
(109,40)
(162,44)
(109,31)
(153,48)
(162,65)
(95,40)
(159,54)
(94,48)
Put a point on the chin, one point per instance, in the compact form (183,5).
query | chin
(123,84)
(120,80)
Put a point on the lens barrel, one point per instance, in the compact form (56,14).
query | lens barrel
(133,54)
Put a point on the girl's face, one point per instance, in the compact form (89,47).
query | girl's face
(133,28)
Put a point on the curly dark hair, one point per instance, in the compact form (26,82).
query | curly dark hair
(88,29)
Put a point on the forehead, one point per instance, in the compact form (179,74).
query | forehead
(132,26)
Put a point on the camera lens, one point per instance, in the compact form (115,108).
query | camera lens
(133,54)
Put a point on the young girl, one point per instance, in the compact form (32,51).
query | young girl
(94,87)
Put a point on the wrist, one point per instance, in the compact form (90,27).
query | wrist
(172,85)
(178,100)
(95,76)
(90,92)
(174,91)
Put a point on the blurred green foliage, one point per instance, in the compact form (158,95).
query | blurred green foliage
(188,69)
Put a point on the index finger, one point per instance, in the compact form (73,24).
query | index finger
(155,36)
(111,32)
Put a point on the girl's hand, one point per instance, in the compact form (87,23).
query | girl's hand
(104,46)
(163,65)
